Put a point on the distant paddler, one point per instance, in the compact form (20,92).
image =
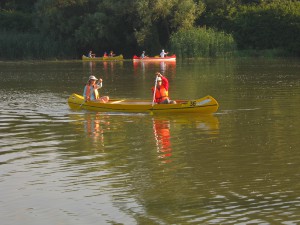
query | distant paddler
(163,53)
(91,54)
(143,55)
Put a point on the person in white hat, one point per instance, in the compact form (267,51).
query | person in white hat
(91,92)
(163,53)
(161,90)
(143,54)
(91,54)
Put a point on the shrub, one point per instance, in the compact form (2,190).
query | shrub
(202,42)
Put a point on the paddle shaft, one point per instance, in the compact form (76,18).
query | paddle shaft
(154,91)
(81,105)
(83,98)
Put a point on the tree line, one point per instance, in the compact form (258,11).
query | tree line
(66,29)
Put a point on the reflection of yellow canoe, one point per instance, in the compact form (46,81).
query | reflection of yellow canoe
(205,105)
(205,122)
(119,57)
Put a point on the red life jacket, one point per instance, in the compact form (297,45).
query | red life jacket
(160,94)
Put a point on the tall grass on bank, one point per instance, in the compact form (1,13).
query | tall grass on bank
(202,42)
(16,46)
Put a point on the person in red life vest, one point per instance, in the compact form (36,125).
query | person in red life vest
(91,93)
(105,55)
(162,90)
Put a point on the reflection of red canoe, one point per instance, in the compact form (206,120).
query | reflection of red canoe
(154,59)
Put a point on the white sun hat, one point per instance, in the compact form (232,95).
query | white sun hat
(92,78)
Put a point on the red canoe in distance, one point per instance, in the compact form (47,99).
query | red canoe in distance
(154,59)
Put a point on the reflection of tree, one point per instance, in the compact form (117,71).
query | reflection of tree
(161,129)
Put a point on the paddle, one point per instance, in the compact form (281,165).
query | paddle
(81,104)
(154,91)
(83,98)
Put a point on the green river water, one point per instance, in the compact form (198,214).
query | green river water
(240,165)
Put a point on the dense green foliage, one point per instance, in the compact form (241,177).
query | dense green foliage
(201,42)
(271,26)
(15,45)
(68,28)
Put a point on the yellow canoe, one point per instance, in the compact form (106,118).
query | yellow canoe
(205,105)
(118,57)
